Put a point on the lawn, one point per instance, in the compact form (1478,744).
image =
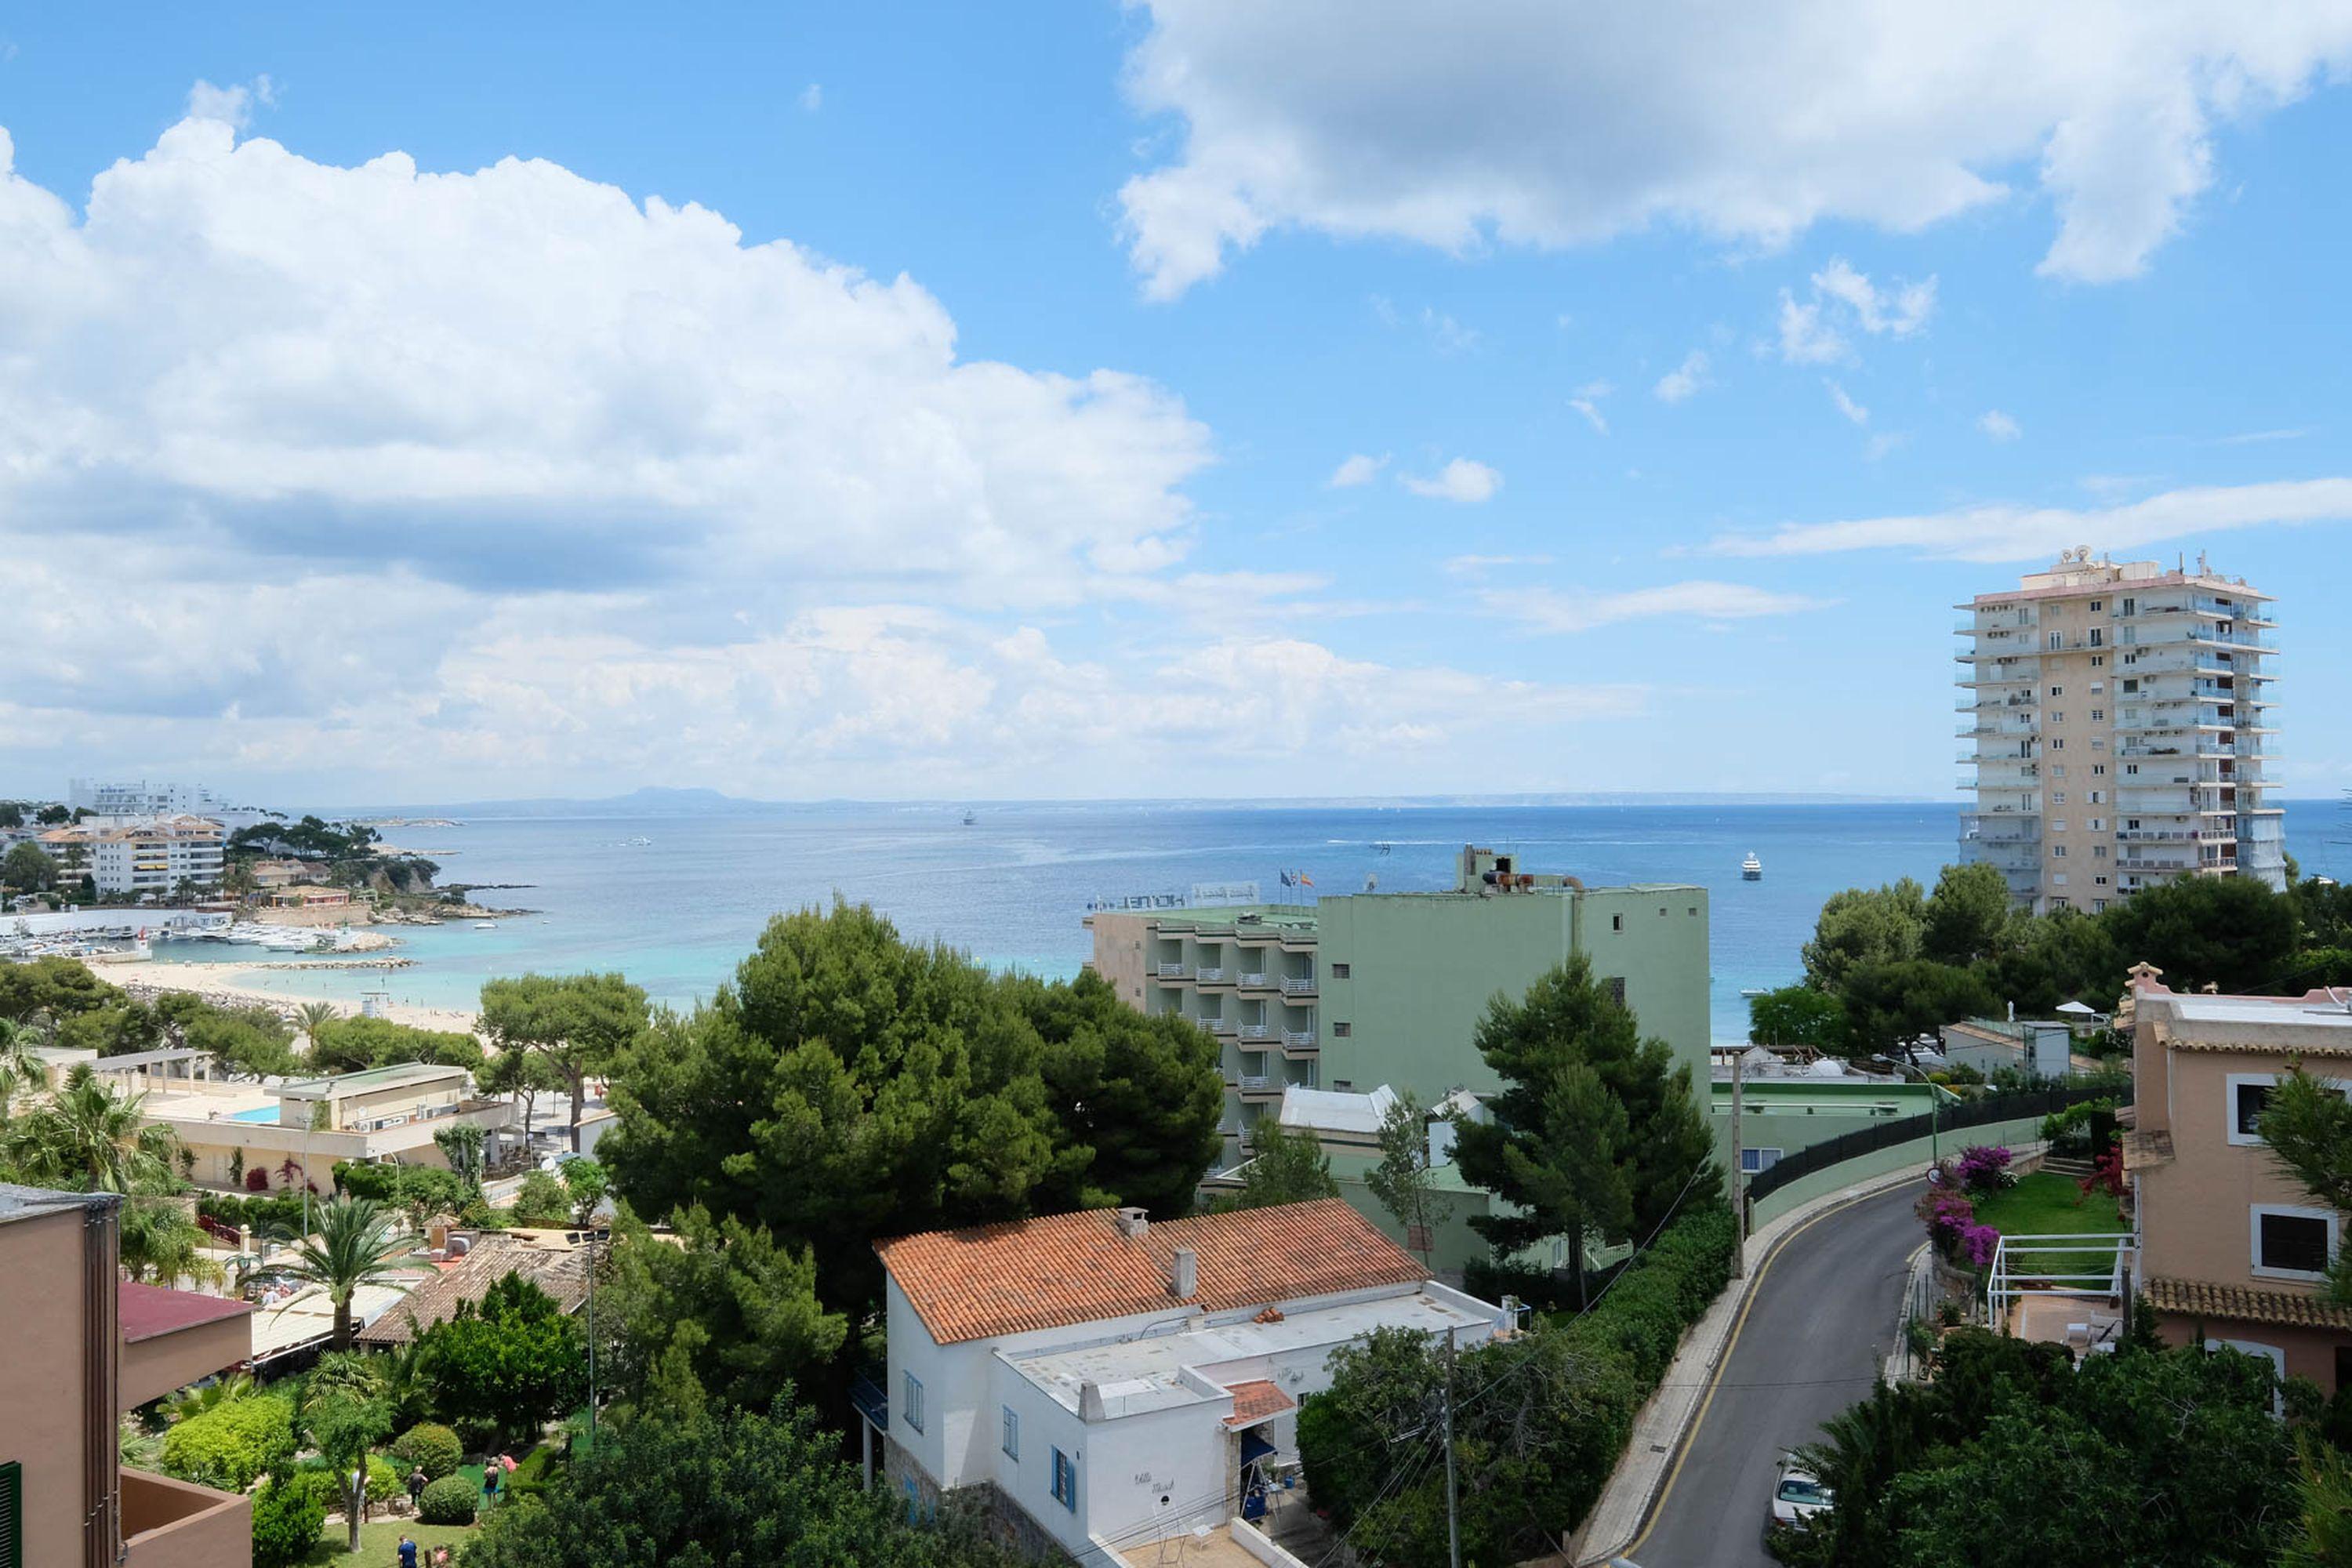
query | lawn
(380,1543)
(2043,1203)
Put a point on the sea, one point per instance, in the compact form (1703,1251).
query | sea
(674,901)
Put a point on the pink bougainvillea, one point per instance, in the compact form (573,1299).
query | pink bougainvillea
(1977,1244)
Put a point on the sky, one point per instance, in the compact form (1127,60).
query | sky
(1190,397)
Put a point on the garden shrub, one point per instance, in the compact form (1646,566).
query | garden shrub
(2068,1131)
(1984,1169)
(1543,1446)
(256,1179)
(230,1446)
(431,1446)
(385,1481)
(288,1515)
(449,1501)
(365,1179)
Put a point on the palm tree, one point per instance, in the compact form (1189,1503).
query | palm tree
(19,1069)
(356,1243)
(161,1243)
(221,1391)
(309,1015)
(89,1137)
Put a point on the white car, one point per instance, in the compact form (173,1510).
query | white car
(1797,1494)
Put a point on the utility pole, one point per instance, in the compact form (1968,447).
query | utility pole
(1739,1171)
(1453,1516)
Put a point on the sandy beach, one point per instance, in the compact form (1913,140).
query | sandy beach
(232,984)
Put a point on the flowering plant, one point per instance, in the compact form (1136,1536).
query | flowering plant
(1977,1244)
(1984,1169)
(1947,1215)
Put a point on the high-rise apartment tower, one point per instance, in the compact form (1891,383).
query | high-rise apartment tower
(2116,716)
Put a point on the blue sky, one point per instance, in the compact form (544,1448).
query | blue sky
(1011,469)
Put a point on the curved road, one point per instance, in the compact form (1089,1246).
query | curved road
(1810,1344)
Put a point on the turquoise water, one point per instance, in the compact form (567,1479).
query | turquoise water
(258,1113)
(675,913)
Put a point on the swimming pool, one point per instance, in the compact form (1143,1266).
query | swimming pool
(258,1113)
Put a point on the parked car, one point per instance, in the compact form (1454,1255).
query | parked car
(1797,1494)
(561,1157)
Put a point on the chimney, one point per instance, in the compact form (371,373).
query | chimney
(1132,1223)
(1184,1273)
(1090,1401)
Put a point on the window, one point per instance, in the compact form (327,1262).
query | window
(2098,715)
(2099,905)
(1616,922)
(914,1503)
(2249,1095)
(1615,985)
(2097,796)
(2131,607)
(2058,851)
(1066,1481)
(1342,1031)
(2097,687)
(2057,692)
(2098,637)
(2059,826)
(2097,605)
(2058,771)
(2058,880)
(1755,1161)
(1339,971)
(1011,1442)
(2292,1243)
(2131,684)
(2098,824)
(2098,661)
(2099,852)
(11,1515)
(914,1403)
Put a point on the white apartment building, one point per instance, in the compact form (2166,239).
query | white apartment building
(1123,1384)
(141,800)
(141,857)
(2117,720)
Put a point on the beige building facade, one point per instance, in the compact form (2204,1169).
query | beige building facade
(2234,1249)
(2117,718)
(81,1351)
(382,1114)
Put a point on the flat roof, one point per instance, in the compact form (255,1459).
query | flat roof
(1136,1375)
(132,1061)
(2303,1012)
(148,1312)
(373,1079)
(29,1203)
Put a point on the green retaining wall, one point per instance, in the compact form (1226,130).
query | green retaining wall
(1915,1155)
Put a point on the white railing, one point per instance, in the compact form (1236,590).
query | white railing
(1254,1032)
(1216,1026)
(1298,985)
(1174,971)
(1297,1039)
(2009,1283)
(1255,1083)
(1208,973)
(1252,977)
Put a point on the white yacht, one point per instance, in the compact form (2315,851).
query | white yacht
(1751,870)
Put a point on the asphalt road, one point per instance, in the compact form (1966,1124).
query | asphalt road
(1820,1321)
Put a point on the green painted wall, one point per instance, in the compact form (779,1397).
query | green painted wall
(1789,1116)
(1420,969)
(1913,1156)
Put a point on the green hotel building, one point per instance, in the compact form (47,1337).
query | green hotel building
(1359,990)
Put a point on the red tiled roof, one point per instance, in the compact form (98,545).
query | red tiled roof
(1256,1401)
(2286,1308)
(147,1311)
(1058,1269)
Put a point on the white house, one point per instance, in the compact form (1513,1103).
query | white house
(1119,1381)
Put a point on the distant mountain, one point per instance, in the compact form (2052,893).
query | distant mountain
(647,802)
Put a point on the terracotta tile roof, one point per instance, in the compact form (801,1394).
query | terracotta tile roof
(2144,1151)
(2240,1303)
(1058,1269)
(148,1310)
(1256,1401)
(561,1272)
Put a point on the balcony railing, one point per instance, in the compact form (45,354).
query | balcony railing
(1253,980)
(1209,973)
(1253,1031)
(1299,985)
(1216,1026)
(1298,1040)
(1173,971)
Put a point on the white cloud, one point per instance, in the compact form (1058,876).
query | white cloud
(1847,406)
(812,97)
(231,105)
(504,482)
(1449,336)
(1479,565)
(1813,331)
(1685,379)
(1357,470)
(1462,479)
(1587,402)
(1553,610)
(1998,427)
(1528,122)
(1995,532)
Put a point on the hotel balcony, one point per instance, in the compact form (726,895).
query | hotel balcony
(169,1523)
(1253,1031)
(1212,975)
(1259,1088)
(2175,836)
(1299,1044)
(1298,985)
(1222,1028)
(1173,971)
(1256,979)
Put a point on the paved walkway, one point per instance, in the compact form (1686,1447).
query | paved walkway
(1659,1431)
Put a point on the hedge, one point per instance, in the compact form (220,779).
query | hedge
(1541,1445)
(229,1446)
(288,1515)
(431,1446)
(449,1501)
